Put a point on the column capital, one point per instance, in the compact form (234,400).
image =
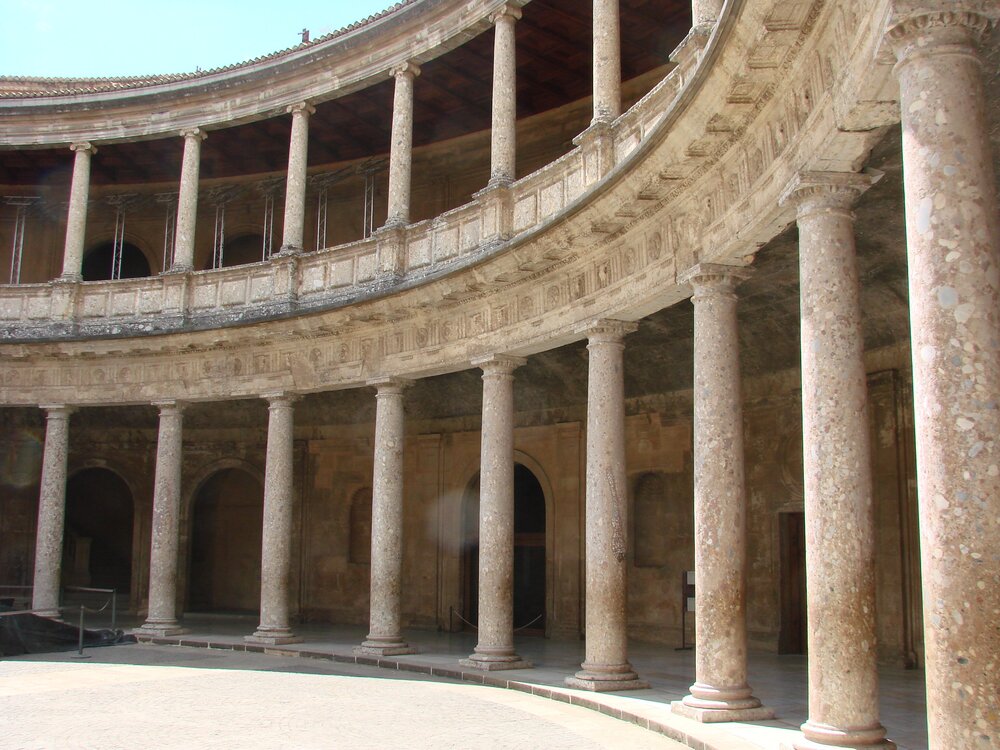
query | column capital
(57,411)
(279,399)
(709,278)
(509,10)
(412,70)
(389,384)
(170,405)
(498,364)
(607,330)
(193,133)
(83,146)
(919,28)
(809,192)
(300,108)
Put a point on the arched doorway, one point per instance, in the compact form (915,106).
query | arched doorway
(226,530)
(529,552)
(97,544)
(98,263)
(240,250)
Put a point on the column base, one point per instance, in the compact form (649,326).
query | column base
(383,648)
(722,713)
(161,629)
(495,662)
(602,678)
(52,614)
(825,737)
(272,637)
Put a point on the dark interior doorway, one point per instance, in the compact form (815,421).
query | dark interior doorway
(97,546)
(226,533)
(99,261)
(529,553)
(792,637)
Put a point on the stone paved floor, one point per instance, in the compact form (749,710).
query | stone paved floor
(779,681)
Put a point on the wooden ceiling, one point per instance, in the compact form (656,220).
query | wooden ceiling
(452,98)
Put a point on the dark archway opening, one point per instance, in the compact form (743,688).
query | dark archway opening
(238,251)
(792,638)
(97,545)
(529,553)
(98,263)
(226,532)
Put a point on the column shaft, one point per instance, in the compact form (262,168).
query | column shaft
(293,228)
(953,240)
(276,549)
(385,633)
(606,665)
(162,617)
(839,514)
(495,649)
(76,217)
(51,512)
(705,12)
(503,152)
(187,201)
(720,691)
(607,61)
(401,146)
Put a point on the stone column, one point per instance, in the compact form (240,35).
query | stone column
(606,664)
(705,12)
(401,146)
(295,187)
(51,512)
(187,201)
(385,632)
(720,691)
(76,218)
(276,550)
(162,617)
(607,62)
(840,517)
(953,241)
(495,649)
(503,150)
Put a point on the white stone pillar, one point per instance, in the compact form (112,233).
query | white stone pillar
(401,146)
(503,151)
(276,549)
(607,62)
(606,665)
(187,201)
(385,632)
(839,511)
(495,649)
(51,512)
(293,228)
(705,12)
(720,691)
(76,217)
(953,242)
(162,617)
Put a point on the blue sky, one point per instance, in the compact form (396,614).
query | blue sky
(138,37)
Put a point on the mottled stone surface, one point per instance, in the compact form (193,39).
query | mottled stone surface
(76,215)
(401,145)
(276,552)
(187,201)
(953,239)
(495,649)
(720,692)
(705,12)
(385,632)
(51,512)
(607,61)
(162,617)
(295,183)
(839,514)
(503,137)
(606,665)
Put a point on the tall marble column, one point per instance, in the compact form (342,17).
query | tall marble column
(953,241)
(495,649)
(187,201)
(295,186)
(51,512)
(503,151)
(705,12)
(401,146)
(276,549)
(836,447)
(385,630)
(162,617)
(720,691)
(76,218)
(607,62)
(606,665)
